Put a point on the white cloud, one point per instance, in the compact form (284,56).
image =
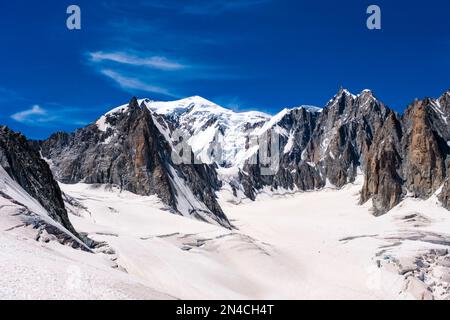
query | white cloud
(56,115)
(35,113)
(155,62)
(134,84)
(134,70)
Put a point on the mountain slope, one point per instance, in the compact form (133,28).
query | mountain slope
(329,147)
(410,156)
(131,147)
(298,149)
(398,155)
(29,194)
(214,134)
(291,129)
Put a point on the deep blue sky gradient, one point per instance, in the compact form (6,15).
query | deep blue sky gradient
(244,54)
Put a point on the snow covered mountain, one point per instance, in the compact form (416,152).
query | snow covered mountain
(231,139)
(398,155)
(210,127)
(315,148)
(131,147)
(120,178)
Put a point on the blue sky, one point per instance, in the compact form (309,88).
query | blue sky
(243,54)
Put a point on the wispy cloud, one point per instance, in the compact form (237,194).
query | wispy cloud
(170,63)
(52,115)
(35,113)
(38,116)
(135,70)
(137,59)
(138,72)
(129,83)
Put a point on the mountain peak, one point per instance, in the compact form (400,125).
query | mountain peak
(366,96)
(199,99)
(180,106)
(366,91)
(343,91)
(341,94)
(310,108)
(134,103)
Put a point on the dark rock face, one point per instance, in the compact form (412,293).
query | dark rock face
(133,154)
(24,165)
(425,149)
(383,180)
(444,103)
(397,155)
(54,144)
(410,156)
(300,123)
(444,196)
(298,126)
(344,135)
(328,146)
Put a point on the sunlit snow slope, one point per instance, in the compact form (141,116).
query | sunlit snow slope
(299,246)
(34,265)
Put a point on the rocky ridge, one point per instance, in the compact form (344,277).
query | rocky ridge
(399,155)
(131,147)
(24,172)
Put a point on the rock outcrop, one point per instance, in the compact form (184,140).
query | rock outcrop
(294,129)
(425,150)
(398,155)
(344,135)
(444,196)
(131,148)
(353,134)
(24,165)
(383,179)
(329,145)
(410,156)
